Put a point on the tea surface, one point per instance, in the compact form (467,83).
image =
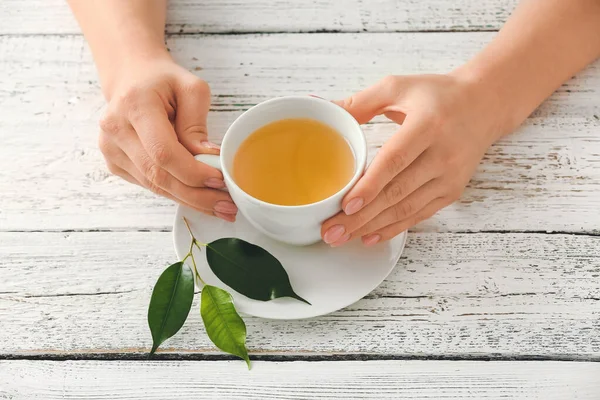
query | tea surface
(293,162)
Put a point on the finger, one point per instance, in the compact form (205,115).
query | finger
(396,228)
(158,180)
(122,166)
(193,103)
(114,157)
(223,205)
(143,182)
(418,174)
(160,142)
(121,173)
(410,206)
(395,156)
(374,100)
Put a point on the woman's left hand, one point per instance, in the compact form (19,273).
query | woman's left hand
(447,123)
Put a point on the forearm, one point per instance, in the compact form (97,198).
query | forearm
(121,31)
(544,43)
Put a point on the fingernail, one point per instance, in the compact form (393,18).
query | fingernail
(214,183)
(209,145)
(341,241)
(371,240)
(354,206)
(225,207)
(334,233)
(225,217)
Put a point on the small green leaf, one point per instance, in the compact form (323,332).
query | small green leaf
(170,303)
(223,324)
(249,270)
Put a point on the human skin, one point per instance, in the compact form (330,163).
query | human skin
(449,121)
(156,118)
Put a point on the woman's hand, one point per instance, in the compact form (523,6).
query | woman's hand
(447,125)
(155,124)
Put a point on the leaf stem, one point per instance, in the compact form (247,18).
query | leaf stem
(196,268)
(194,240)
(190,253)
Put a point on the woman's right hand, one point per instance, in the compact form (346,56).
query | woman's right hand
(154,125)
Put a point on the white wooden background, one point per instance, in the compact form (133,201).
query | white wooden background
(510,272)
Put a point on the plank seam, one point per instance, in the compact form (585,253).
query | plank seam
(294,357)
(37,296)
(251,33)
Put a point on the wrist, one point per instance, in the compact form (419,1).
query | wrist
(489,98)
(120,60)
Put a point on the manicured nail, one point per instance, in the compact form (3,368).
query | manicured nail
(210,145)
(341,241)
(225,207)
(334,233)
(354,206)
(214,183)
(371,240)
(225,217)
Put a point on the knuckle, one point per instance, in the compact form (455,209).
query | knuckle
(161,154)
(133,104)
(394,192)
(111,125)
(197,86)
(156,177)
(389,81)
(349,102)
(131,97)
(404,210)
(396,164)
(390,86)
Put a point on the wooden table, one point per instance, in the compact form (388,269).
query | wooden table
(497,296)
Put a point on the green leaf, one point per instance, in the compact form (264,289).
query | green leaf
(223,324)
(170,303)
(249,270)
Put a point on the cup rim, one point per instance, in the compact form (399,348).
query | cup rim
(361,159)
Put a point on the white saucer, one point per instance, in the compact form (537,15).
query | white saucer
(329,278)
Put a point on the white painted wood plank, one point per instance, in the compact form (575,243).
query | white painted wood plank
(298,380)
(545,177)
(219,16)
(452,295)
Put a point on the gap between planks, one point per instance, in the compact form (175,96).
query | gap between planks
(254,33)
(159,356)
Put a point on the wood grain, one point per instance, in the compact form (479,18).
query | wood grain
(218,16)
(452,295)
(299,380)
(546,177)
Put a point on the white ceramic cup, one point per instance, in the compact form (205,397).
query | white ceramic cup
(296,225)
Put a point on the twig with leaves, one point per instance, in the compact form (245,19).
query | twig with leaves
(245,267)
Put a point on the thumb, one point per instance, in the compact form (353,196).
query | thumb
(372,101)
(193,103)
